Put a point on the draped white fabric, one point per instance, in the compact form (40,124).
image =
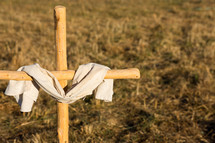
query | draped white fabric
(88,78)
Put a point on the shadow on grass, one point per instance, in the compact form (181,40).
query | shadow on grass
(136,125)
(209,130)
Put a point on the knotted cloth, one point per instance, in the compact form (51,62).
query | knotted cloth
(88,77)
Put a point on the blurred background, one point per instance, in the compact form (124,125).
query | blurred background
(172,42)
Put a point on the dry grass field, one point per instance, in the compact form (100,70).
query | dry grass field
(172,42)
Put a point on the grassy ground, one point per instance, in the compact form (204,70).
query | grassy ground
(172,42)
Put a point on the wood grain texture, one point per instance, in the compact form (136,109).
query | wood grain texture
(61,61)
(132,73)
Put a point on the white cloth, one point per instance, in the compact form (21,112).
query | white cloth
(87,78)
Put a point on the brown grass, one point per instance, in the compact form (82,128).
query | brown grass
(172,42)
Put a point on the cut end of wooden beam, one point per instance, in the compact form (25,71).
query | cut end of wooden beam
(59,11)
(137,73)
(59,6)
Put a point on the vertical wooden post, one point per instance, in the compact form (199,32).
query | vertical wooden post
(61,57)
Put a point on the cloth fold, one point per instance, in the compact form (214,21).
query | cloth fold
(88,78)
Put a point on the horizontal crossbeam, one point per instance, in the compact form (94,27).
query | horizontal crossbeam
(132,73)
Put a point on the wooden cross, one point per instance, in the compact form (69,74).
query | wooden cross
(62,74)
